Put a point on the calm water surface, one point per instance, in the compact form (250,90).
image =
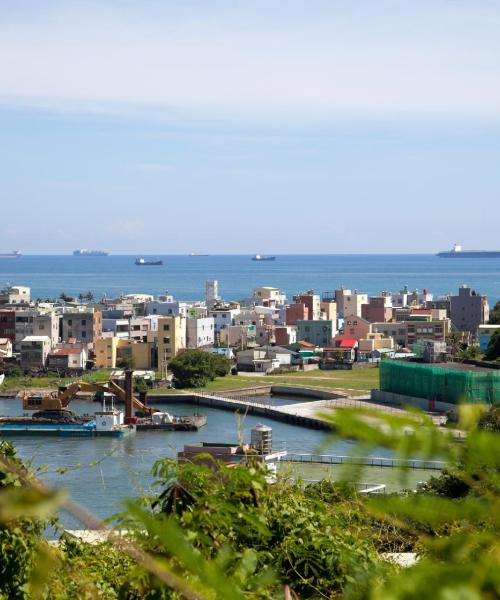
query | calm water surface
(125,463)
(185,276)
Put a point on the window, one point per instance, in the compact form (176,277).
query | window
(70,321)
(84,334)
(166,340)
(84,322)
(166,327)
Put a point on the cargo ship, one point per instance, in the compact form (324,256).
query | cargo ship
(13,254)
(459,252)
(85,252)
(142,262)
(259,257)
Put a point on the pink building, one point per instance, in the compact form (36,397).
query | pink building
(377,310)
(356,328)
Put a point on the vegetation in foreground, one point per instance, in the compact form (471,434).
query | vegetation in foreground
(220,532)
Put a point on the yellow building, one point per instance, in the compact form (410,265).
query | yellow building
(171,337)
(109,351)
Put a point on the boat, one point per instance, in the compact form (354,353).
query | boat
(85,252)
(459,252)
(259,257)
(108,422)
(142,262)
(197,254)
(13,254)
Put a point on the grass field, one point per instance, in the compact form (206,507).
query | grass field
(13,383)
(358,381)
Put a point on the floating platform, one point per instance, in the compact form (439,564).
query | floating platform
(14,426)
(189,423)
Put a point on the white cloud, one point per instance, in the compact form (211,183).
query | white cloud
(435,60)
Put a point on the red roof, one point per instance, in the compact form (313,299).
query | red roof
(306,344)
(66,351)
(347,343)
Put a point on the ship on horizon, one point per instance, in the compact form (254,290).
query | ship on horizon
(13,254)
(259,257)
(143,262)
(459,252)
(85,252)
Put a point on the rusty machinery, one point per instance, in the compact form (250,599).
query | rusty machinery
(59,401)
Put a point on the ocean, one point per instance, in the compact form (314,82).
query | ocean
(185,276)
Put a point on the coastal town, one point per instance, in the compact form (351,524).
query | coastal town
(266,333)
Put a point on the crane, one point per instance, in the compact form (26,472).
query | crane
(59,401)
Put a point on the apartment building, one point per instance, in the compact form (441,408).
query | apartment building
(83,326)
(468,310)
(200,332)
(171,337)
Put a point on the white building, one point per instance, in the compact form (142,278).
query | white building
(15,294)
(212,292)
(34,350)
(200,332)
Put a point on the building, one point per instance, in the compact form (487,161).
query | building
(223,316)
(329,310)
(349,302)
(15,294)
(296,312)
(83,325)
(317,332)
(484,334)
(212,292)
(200,332)
(313,303)
(239,336)
(427,330)
(268,296)
(356,327)
(110,351)
(5,348)
(67,358)
(395,330)
(378,309)
(35,350)
(132,328)
(436,386)
(265,359)
(8,325)
(468,310)
(171,338)
(285,335)
(48,324)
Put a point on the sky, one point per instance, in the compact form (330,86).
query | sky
(231,127)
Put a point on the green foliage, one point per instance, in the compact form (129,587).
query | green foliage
(493,348)
(126,362)
(495,314)
(20,528)
(196,368)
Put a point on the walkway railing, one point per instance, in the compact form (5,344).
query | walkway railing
(368,461)
(362,488)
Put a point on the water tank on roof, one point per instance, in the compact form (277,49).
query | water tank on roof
(262,438)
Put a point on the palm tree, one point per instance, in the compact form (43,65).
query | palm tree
(89,296)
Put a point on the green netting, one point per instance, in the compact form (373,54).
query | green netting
(438,383)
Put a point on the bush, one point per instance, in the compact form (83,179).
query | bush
(196,368)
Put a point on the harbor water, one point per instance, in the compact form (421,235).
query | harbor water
(101,472)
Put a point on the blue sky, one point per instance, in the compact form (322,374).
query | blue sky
(263,126)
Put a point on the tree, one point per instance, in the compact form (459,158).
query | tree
(196,368)
(126,362)
(495,315)
(89,296)
(493,349)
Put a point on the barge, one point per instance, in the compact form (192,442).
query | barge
(163,421)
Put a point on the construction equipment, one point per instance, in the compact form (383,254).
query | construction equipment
(59,401)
